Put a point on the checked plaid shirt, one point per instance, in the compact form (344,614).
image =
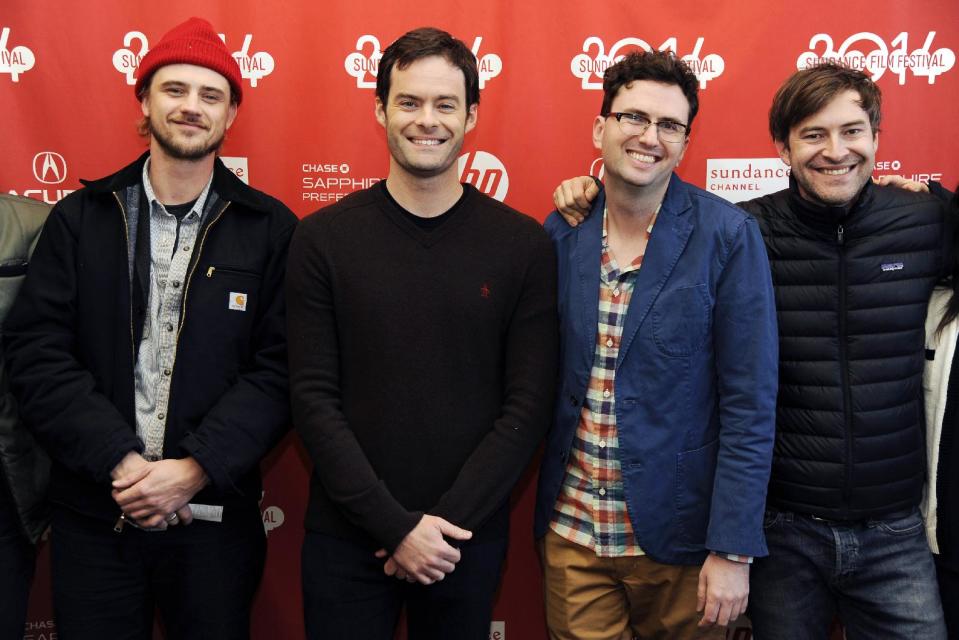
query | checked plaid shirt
(591,508)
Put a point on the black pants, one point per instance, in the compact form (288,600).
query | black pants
(17,559)
(347,595)
(949,592)
(201,577)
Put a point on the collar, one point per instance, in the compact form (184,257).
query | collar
(224,184)
(198,205)
(825,215)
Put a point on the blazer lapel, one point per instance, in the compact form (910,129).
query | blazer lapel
(588,253)
(666,245)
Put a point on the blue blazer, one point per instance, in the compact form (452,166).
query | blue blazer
(696,376)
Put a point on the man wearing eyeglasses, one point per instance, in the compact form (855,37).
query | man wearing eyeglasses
(853,264)
(654,477)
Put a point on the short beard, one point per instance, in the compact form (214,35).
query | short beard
(180,153)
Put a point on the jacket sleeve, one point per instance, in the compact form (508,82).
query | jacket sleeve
(254,413)
(59,402)
(531,351)
(338,459)
(746,343)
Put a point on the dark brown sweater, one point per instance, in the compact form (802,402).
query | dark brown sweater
(422,362)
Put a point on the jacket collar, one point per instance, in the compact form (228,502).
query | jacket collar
(225,184)
(828,216)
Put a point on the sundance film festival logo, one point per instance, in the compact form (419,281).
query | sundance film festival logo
(485,172)
(870,54)
(363,63)
(273,518)
(253,66)
(15,60)
(590,65)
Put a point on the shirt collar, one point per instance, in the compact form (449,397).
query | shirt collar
(156,205)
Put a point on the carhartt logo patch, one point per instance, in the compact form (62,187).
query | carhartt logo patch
(237,301)
(892,266)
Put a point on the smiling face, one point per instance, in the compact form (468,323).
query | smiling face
(426,117)
(832,152)
(642,161)
(188,111)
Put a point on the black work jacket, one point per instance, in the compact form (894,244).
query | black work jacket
(71,348)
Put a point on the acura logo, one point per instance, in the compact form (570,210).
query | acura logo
(49,167)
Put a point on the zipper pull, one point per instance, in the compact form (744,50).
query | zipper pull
(118,526)
(209,272)
(839,233)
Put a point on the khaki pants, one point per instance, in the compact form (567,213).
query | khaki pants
(593,598)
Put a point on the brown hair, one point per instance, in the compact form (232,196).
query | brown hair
(808,91)
(422,43)
(658,66)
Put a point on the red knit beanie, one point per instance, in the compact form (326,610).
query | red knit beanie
(193,42)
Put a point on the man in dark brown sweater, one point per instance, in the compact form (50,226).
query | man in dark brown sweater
(423,339)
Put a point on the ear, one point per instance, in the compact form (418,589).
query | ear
(380,112)
(783,150)
(231,115)
(471,116)
(875,143)
(144,105)
(599,126)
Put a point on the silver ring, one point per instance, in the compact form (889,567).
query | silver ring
(172,518)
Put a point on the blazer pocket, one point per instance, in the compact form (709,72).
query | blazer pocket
(693,493)
(681,320)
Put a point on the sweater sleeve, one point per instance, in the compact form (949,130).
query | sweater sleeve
(58,397)
(531,351)
(339,461)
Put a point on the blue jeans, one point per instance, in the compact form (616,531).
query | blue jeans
(878,576)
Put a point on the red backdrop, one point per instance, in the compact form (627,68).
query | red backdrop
(307,135)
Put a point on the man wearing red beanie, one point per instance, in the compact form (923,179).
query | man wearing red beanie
(147,351)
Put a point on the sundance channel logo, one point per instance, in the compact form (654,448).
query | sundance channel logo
(738,179)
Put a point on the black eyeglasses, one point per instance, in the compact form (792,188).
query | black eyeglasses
(635,124)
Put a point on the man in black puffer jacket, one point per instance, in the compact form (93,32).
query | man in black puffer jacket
(853,265)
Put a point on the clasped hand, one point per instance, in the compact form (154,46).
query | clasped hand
(150,493)
(424,555)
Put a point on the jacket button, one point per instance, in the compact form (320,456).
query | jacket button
(573,401)
(562,455)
